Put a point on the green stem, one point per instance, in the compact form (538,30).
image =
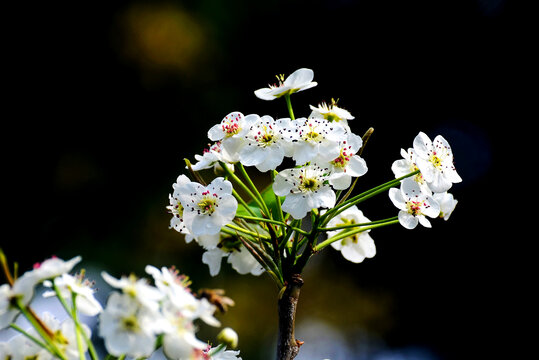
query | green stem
(364,196)
(78,328)
(340,227)
(245,231)
(344,234)
(31,337)
(289,106)
(254,190)
(277,198)
(217,350)
(245,188)
(72,312)
(41,330)
(271,221)
(241,201)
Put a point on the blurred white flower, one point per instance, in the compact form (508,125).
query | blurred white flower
(53,267)
(85,300)
(22,289)
(130,328)
(299,80)
(138,289)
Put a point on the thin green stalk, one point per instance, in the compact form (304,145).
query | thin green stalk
(340,227)
(277,198)
(245,188)
(363,196)
(344,234)
(217,350)
(289,106)
(31,337)
(241,201)
(253,188)
(271,221)
(41,330)
(248,232)
(78,328)
(72,312)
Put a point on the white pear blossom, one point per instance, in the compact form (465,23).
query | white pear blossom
(414,205)
(207,208)
(316,138)
(212,155)
(138,289)
(22,289)
(408,165)
(237,256)
(299,80)
(267,142)
(348,164)
(53,267)
(176,207)
(332,113)
(356,247)
(180,341)
(222,355)
(20,347)
(435,160)
(128,327)
(447,204)
(229,132)
(305,188)
(85,300)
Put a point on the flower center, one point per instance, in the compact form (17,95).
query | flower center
(414,207)
(342,160)
(207,204)
(435,160)
(265,137)
(309,184)
(231,128)
(130,323)
(331,116)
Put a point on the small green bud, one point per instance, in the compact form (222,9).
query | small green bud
(228,337)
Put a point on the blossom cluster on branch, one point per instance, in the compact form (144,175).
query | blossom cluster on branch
(139,317)
(313,164)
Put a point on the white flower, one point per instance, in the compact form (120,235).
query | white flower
(229,132)
(331,112)
(211,157)
(85,300)
(414,205)
(20,347)
(138,289)
(237,256)
(175,207)
(408,165)
(180,341)
(305,189)
(447,204)
(435,160)
(357,247)
(128,327)
(267,142)
(316,138)
(64,337)
(207,208)
(53,267)
(347,164)
(299,80)
(23,289)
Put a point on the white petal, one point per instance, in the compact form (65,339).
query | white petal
(356,166)
(422,145)
(216,132)
(407,220)
(296,205)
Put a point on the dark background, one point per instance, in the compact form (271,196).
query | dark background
(105,99)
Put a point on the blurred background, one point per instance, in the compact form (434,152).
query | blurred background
(105,99)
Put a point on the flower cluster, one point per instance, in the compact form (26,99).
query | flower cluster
(425,194)
(311,161)
(138,315)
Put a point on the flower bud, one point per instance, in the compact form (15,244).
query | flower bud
(228,337)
